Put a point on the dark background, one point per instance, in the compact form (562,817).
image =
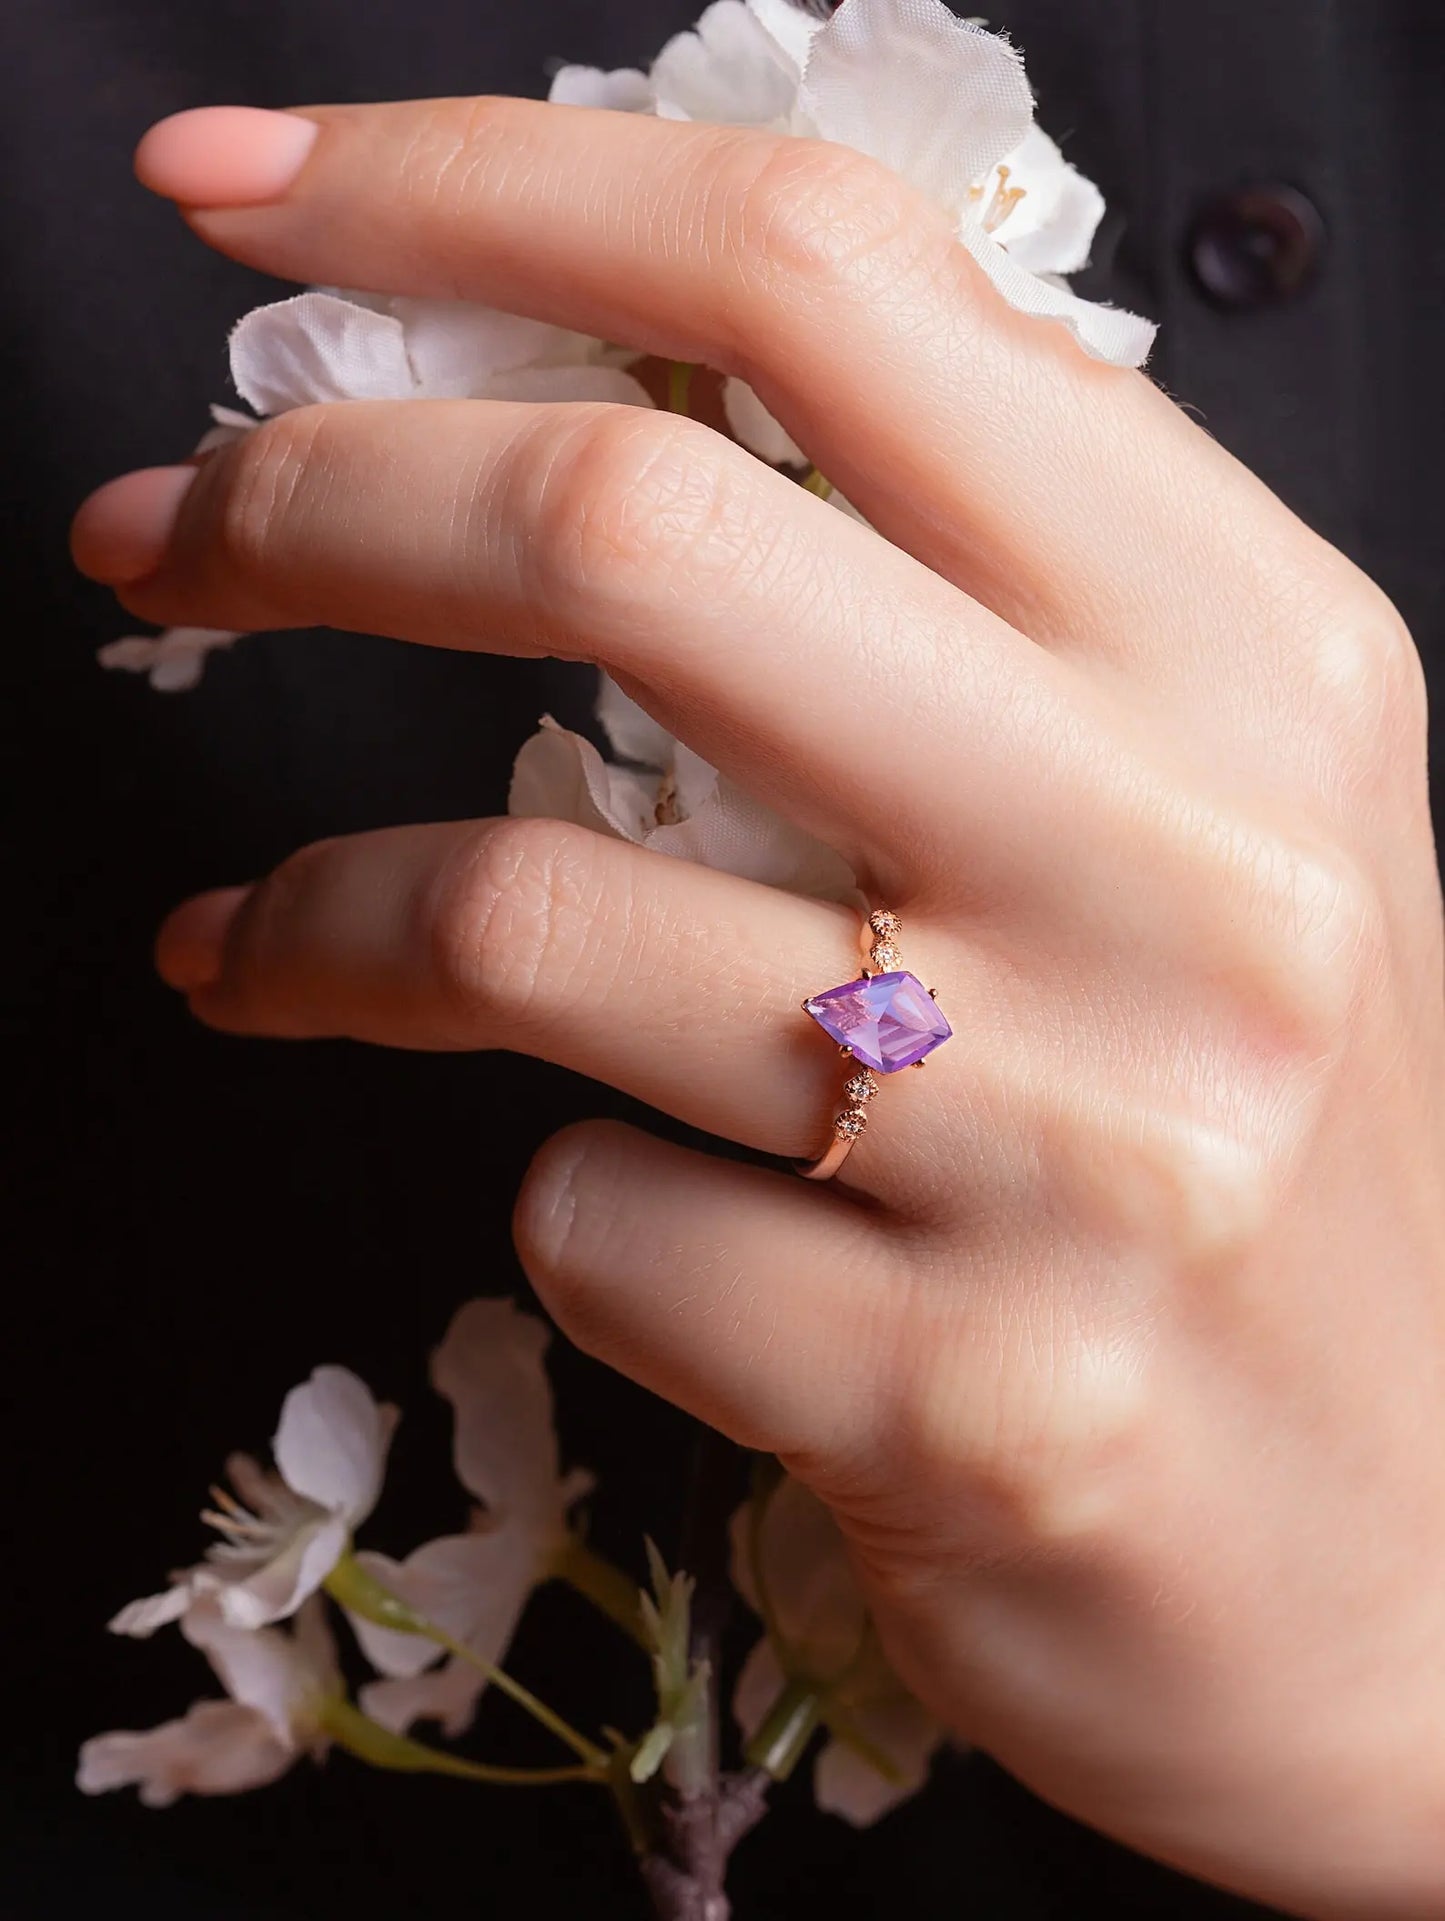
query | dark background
(199,1221)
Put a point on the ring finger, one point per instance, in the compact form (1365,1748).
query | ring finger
(673,982)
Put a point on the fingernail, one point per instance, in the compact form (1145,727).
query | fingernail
(120,534)
(224,156)
(191,944)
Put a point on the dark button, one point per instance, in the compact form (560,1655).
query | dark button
(1256,247)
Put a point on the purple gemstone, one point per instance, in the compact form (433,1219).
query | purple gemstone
(889,1022)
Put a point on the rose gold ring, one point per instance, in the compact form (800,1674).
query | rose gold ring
(882,1022)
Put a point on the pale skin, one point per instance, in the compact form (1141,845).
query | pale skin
(1119,1348)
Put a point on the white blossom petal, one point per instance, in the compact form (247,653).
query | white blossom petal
(821,1620)
(634,734)
(279,1586)
(279,1675)
(332,1442)
(845,506)
(695,782)
(447,1694)
(727,68)
(140,1619)
(1105,333)
(624,89)
(755,428)
(738,835)
(219,1747)
(759,1683)
(457,349)
(228,425)
(319,347)
(491,1367)
(844,1783)
(1051,229)
(175,660)
(790,25)
(815,1596)
(472,1585)
(559,775)
(935,98)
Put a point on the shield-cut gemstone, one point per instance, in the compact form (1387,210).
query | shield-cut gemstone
(889,1022)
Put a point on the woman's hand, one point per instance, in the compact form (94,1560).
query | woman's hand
(1121,1354)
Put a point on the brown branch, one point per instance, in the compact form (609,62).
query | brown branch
(686,1875)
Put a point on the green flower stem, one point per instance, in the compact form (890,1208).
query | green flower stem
(640,1832)
(610,1591)
(785,1730)
(679,384)
(792,1721)
(817,484)
(349,1728)
(352,1587)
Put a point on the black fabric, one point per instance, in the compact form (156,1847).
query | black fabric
(200,1221)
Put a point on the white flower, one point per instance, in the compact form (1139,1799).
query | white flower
(490,1366)
(820,1618)
(332,345)
(278,1684)
(937,99)
(228,424)
(669,800)
(289,1528)
(174,659)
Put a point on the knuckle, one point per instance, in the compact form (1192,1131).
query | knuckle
(1284,932)
(1368,674)
(1172,1195)
(1319,939)
(816,216)
(1045,1459)
(263,473)
(507,922)
(626,493)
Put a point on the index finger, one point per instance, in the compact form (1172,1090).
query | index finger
(975,437)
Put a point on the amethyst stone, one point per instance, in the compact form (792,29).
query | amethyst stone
(889,1022)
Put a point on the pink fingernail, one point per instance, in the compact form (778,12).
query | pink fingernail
(191,944)
(120,534)
(225,156)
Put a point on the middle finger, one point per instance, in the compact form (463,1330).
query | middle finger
(791,646)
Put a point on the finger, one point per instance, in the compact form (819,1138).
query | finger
(673,982)
(684,1273)
(784,642)
(1070,497)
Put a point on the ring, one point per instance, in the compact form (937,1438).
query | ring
(882,1022)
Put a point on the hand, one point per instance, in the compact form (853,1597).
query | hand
(1120,1354)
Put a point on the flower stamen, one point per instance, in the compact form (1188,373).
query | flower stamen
(666,811)
(994,210)
(236,1527)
